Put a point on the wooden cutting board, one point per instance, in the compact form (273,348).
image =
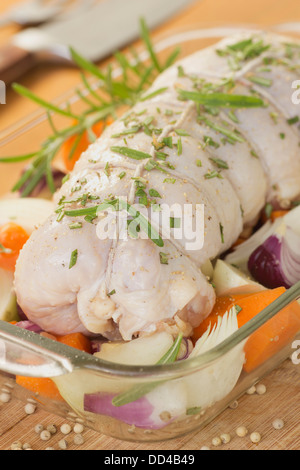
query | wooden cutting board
(282,399)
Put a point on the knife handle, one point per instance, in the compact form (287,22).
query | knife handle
(14,62)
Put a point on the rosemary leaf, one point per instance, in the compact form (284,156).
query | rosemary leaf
(131,153)
(49,106)
(222,100)
(146,38)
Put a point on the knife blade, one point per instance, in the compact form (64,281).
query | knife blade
(95,34)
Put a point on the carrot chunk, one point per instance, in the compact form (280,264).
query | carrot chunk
(12,239)
(46,387)
(74,147)
(77,341)
(271,337)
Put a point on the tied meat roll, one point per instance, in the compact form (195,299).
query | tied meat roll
(218,130)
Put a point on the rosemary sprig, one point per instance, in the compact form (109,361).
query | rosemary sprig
(103,100)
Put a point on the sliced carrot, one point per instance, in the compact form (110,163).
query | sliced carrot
(274,335)
(80,143)
(223,304)
(239,242)
(44,387)
(277,215)
(77,341)
(270,338)
(12,239)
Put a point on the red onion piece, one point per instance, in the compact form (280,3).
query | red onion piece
(138,413)
(185,349)
(28,325)
(276,263)
(21,314)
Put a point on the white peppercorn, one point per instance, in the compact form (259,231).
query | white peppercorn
(65,428)
(17,445)
(5,397)
(216,441)
(39,428)
(78,428)
(241,431)
(278,423)
(225,438)
(45,435)
(52,429)
(251,390)
(63,444)
(78,440)
(30,408)
(261,389)
(255,437)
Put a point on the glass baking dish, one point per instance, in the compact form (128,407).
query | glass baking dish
(154,406)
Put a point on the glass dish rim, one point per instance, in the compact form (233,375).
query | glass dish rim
(88,361)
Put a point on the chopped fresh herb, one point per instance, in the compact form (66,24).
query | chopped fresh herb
(238,309)
(153,165)
(5,250)
(75,225)
(154,193)
(113,292)
(222,233)
(199,163)
(90,218)
(179,147)
(282,135)
(122,175)
(181,72)
(213,174)
(243,51)
(268,210)
(175,222)
(220,163)
(168,141)
(66,178)
(293,120)
(209,141)
(274,116)
(233,117)
(73,259)
(163,258)
(231,135)
(132,130)
(131,153)
(161,156)
(182,132)
(266,82)
(254,154)
(193,411)
(107,169)
(170,180)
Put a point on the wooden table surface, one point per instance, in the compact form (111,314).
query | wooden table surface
(282,399)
